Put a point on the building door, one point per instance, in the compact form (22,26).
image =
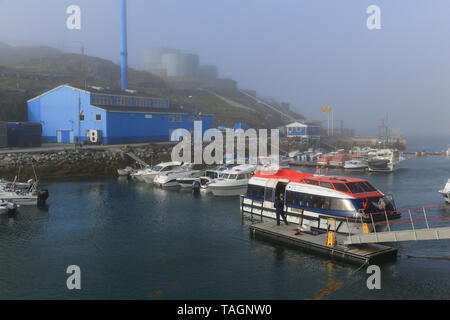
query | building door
(65,136)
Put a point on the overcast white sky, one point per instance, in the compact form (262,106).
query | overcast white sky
(309,53)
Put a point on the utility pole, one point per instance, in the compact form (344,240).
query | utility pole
(84,58)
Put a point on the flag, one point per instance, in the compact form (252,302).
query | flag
(326,109)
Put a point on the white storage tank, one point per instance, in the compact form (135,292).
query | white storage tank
(171,62)
(189,65)
(152,58)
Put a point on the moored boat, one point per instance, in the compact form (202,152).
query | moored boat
(324,160)
(169,179)
(310,200)
(384,160)
(125,172)
(30,196)
(356,164)
(149,174)
(233,182)
(338,160)
(446,192)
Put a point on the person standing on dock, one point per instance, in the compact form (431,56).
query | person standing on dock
(279,206)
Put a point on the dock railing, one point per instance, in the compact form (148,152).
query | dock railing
(424,223)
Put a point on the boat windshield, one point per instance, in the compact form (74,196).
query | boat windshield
(157,168)
(376,204)
(211,174)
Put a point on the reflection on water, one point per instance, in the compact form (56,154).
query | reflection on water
(134,241)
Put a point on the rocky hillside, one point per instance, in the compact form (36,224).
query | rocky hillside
(26,72)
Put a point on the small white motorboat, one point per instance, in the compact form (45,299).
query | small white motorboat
(446,192)
(233,182)
(150,173)
(125,172)
(201,184)
(189,180)
(168,179)
(32,196)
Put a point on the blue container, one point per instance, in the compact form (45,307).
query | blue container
(24,134)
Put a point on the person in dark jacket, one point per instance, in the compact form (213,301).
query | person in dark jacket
(279,206)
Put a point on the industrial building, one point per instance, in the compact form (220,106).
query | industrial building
(24,134)
(173,63)
(69,114)
(301,130)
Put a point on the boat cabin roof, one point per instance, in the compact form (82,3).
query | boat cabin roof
(358,188)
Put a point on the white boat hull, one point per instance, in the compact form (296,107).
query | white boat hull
(138,177)
(446,195)
(389,168)
(149,178)
(186,184)
(20,200)
(170,184)
(227,191)
(265,210)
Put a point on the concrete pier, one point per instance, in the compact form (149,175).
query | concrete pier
(358,254)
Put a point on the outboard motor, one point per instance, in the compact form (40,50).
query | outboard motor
(12,207)
(196,187)
(42,196)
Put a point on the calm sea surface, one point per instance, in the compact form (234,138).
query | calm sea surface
(133,241)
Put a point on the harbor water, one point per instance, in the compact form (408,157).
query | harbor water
(134,241)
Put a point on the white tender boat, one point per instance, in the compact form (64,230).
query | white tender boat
(233,182)
(169,179)
(446,192)
(149,174)
(310,201)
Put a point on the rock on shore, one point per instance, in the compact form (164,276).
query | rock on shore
(82,162)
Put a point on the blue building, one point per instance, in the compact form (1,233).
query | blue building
(301,130)
(67,113)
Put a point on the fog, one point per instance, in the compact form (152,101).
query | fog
(309,53)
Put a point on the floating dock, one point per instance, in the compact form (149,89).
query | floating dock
(358,253)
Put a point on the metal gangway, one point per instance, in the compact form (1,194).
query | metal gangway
(418,225)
